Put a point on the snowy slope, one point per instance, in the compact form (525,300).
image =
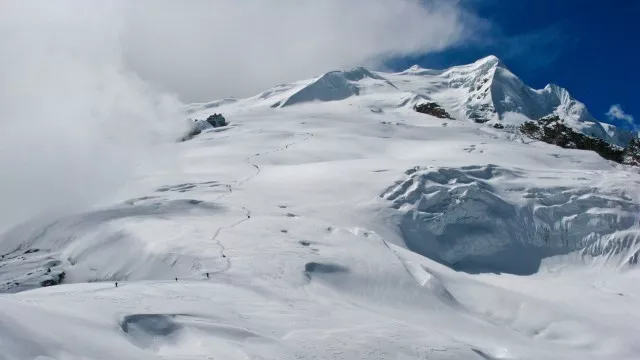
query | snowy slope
(340,225)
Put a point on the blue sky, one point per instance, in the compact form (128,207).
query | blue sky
(590,47)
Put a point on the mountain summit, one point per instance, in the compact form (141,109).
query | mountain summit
(485,91)
(490,91)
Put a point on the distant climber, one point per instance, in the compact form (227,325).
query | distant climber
(207,275)
(176,279)
(116,284)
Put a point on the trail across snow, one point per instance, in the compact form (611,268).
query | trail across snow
(246,210)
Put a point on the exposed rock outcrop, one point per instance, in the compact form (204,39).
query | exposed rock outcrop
(217,120)
(53,279)
(553,130)
(432,109)
(631,154)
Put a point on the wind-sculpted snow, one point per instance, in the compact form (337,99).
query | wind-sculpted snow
(89,247)
(473,219)
(339,85)
(181,334)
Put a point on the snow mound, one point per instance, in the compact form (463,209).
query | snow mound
(412,99)
(426,279)
(340,85)
(418,70)
(89,247)
(468,219)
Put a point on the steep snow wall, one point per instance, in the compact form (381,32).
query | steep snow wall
(482,218)
(487,90)
(510,94)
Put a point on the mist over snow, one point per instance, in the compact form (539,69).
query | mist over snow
(74,120)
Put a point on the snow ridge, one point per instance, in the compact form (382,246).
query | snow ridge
(339,85)
(485,91)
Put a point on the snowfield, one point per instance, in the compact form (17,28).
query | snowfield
(331,221)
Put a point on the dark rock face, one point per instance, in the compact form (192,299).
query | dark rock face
(552,130)
(217,120)
(498,126)
(432,109)
(631,154)
(53,280)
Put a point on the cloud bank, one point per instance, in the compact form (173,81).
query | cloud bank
(205,50)
(616,113)
(89,89)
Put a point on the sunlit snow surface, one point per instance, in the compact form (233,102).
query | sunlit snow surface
(338,230)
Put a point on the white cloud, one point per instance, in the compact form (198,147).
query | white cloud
(74,122)
(616,113)
(79,99)
(213,49)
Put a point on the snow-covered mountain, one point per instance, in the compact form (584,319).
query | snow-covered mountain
(332,221)
(485,91)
